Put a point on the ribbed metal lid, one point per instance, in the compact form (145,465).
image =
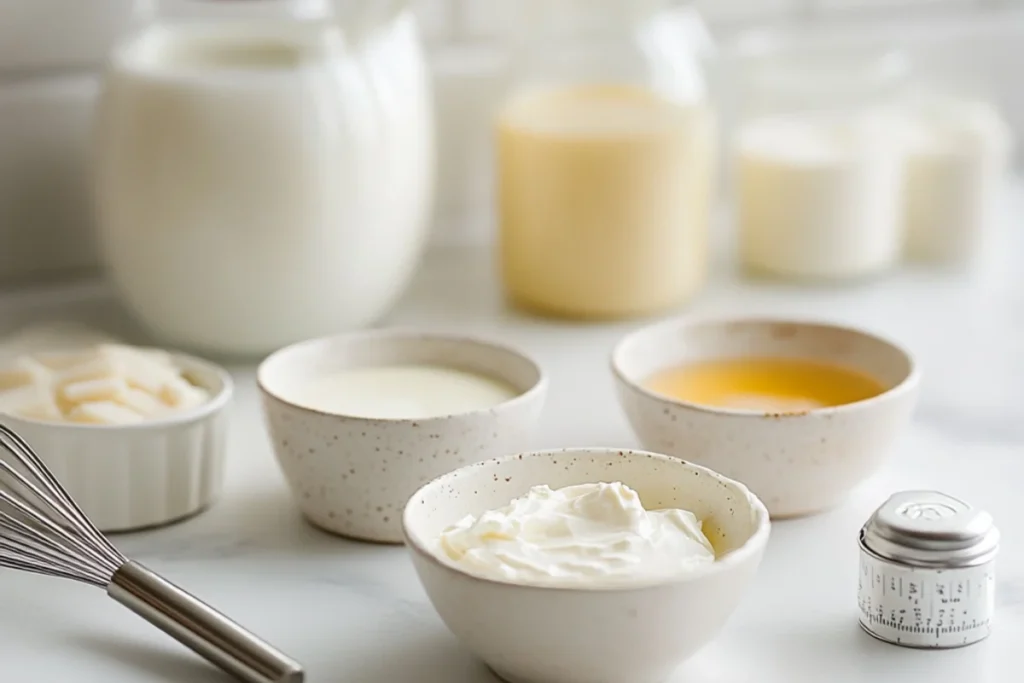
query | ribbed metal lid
(930,529)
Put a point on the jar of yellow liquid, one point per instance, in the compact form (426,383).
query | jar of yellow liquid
(605,159)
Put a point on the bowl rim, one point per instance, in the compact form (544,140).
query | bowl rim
(907,384)
(184,362)
(754,545)
(535,391)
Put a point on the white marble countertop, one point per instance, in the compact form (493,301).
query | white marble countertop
(355,613)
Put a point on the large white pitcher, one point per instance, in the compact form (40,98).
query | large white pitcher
(264,169)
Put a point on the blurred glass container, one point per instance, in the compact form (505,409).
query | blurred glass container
(817,168)
(264,168)
(958,151)
(469,86)
(843,80)
(605,158)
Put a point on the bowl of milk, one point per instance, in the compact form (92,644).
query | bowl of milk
(360,421)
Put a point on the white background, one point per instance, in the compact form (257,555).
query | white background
(50,52)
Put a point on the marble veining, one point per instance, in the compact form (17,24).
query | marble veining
(354,613)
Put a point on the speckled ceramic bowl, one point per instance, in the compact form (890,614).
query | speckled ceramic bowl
(797,463)
(353,475)
(635,634)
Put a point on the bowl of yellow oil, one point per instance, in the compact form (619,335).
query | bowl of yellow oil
(801,412)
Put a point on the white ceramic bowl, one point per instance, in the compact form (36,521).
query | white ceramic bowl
(353,475)
(797,463)
(130,477)
(583,635)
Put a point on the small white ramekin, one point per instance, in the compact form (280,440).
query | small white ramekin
(141,475)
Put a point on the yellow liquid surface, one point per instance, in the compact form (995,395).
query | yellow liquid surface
(765,384)
(604,193)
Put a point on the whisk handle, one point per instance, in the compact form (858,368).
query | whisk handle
(201,628)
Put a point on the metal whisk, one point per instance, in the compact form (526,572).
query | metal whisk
(42,530)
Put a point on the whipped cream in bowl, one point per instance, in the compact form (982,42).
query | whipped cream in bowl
(588,534)
(579,565)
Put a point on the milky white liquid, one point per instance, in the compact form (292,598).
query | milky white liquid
(403,392)
(956,166)
(817,197)
(262,184)
(587,535)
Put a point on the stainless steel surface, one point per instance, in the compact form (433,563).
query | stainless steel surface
(927,571)
(43,531)
(931,529)
(200,627)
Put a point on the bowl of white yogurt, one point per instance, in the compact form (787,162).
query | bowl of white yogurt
(582,565)
(361,420)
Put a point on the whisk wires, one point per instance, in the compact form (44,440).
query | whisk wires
(42,530)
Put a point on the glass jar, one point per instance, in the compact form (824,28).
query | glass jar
(817,165)
(264,168)
(958,164)
(605,159)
